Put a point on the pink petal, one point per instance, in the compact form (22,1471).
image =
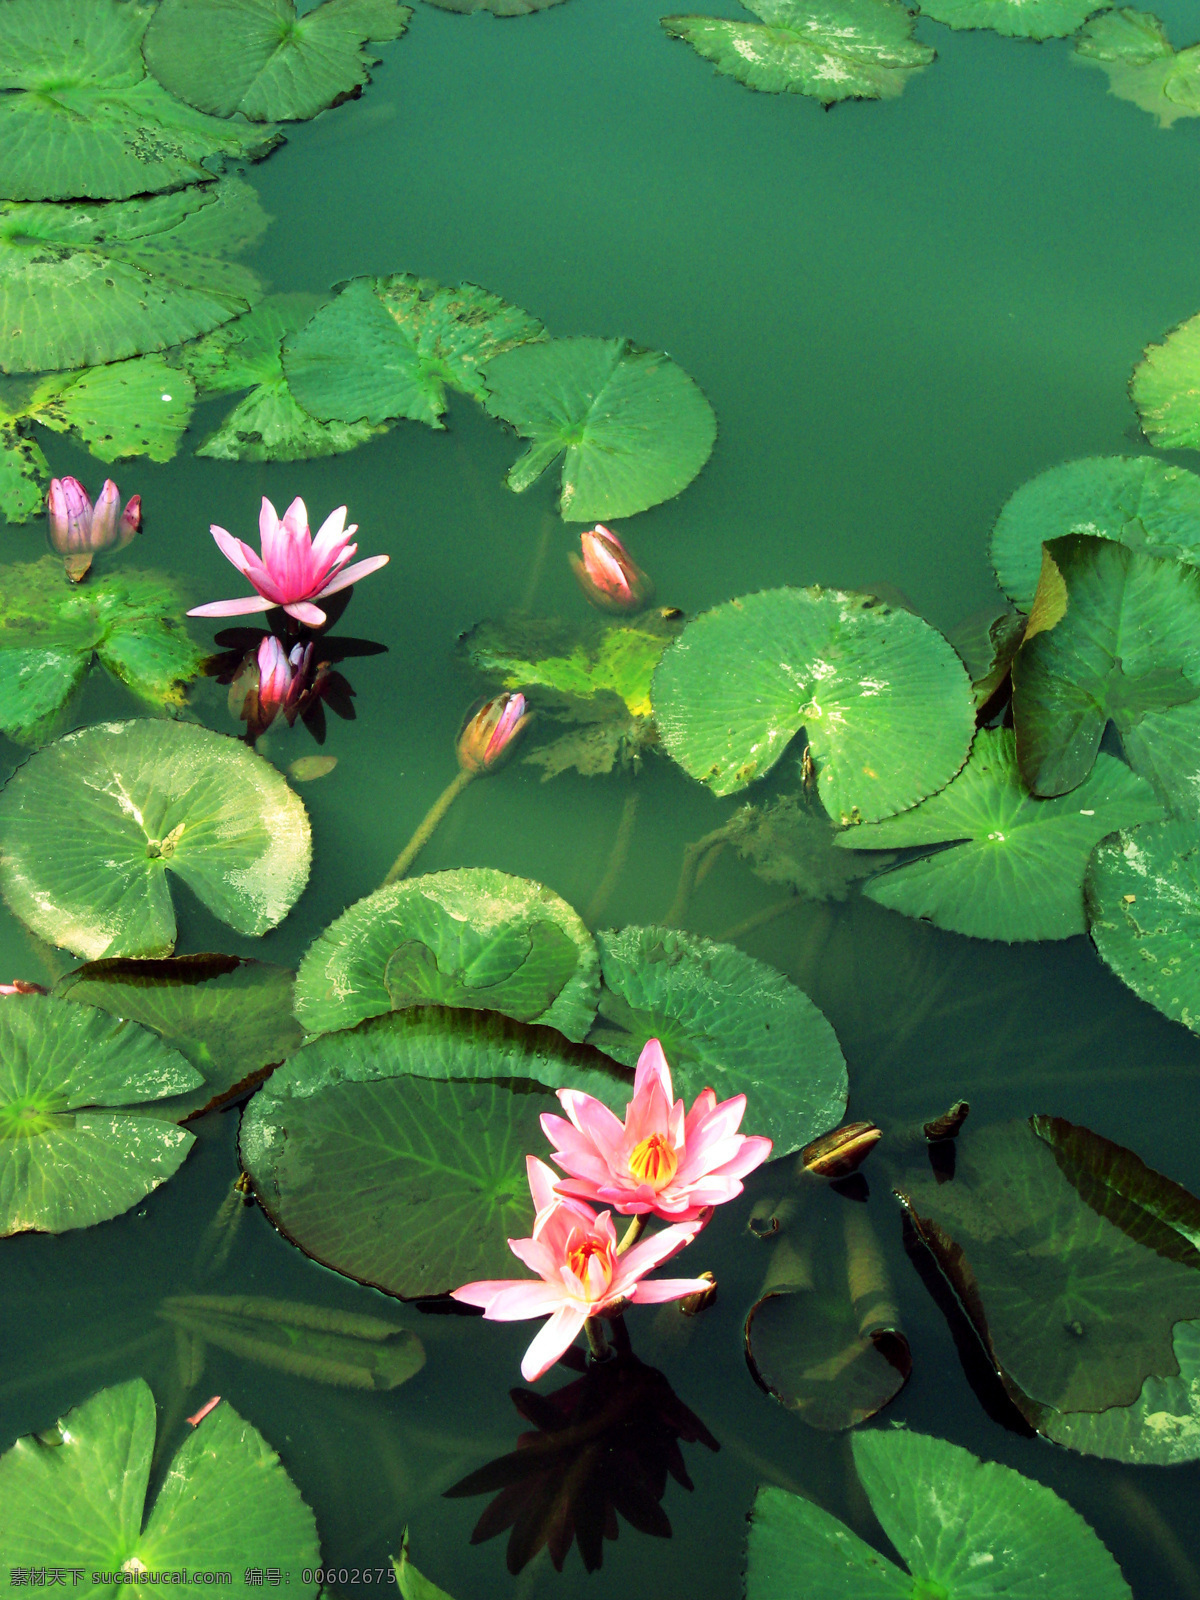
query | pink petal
(721,1121)
(294,523)
(521,1300)
(755,1150)
(332,535)
(484,1290)
(652,1068)
(586,1165)
(269,540)
(659,1289)
(311,616)
(652,1252)
(539,1255)
(352,574)
(595,1121)
(233,608)
(541,1183)
(552,1340)
(704,1105)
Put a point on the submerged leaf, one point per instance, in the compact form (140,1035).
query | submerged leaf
(1133,49)
(498,8)
(827,49)
(791,840)
(1016,19)
(633,429)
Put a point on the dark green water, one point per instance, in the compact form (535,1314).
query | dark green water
(900,313)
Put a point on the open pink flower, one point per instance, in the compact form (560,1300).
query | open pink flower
(659,1160)
(580,1275)
(294,569)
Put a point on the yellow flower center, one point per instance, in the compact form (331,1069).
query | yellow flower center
(654,1161)
(582,1251)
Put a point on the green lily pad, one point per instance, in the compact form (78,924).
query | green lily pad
(232,1019)
(1073,1260)
(1137,500)
(1132,47)
(963,1528)
(71,1153)
(1162,1426)
(267,424)
(474,938)
(390,347)
(634,427)
(1016,19)
(81,285)
(78,1499)
(51,629)
(1016,864)
(81,119)
(1165,388)
(259,58)
(1113,635)
(726,1022)
(90,826)
(411,1584)
(1143,896)
(396,1153)
(884,701)
(827,49)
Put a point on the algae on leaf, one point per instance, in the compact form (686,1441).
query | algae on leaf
(259,58)
(633,429)
(1016,19)
(81,285)
(91,825)
(827,49)
(80,118)
(1165,388)
(1133,49)
(75,1496)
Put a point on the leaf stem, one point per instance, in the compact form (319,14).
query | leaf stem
(597,1343)
(632,1234)
(427,825)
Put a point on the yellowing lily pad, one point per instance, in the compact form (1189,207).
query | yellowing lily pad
(1132,47)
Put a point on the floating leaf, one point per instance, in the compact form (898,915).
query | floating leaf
(474,937)
(498,8)
(1143,896)
(1133,49)
(963,1527)
(391,347)
(827,49)
(77,1498)
(258,57)
(231,1018)
(1161,1427)
(91,825)
(1137,500)
(50,630)
(634,427)
(1074,1262)
(344,1348)
(267,424)
(1016,19)
(1113,635)
(70,1153)
(396,1153)
(1165,388)
(884,701)
(305,769)
(1016,864)
(81,119)
(411,1584)
(81,285)
(726,1022)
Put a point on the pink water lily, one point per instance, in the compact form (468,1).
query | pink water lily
(658,1161)
(608,574)
(488,733)
(78,528)
(294,569)
(580,1273)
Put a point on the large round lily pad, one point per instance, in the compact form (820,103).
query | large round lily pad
(1138,500)
(51,629)
(726,1022)
(1016,19)
(1017,863)
(91,825)
(631,426)
(966,1529)
(396,1153)
(1114,635)
(71,1154)
(472,937)
(1143,896)
(81,119)
(1132,47)
(1166,389)
(76,1497)
(391,347)
(84,284)
(884,701)
(232,1019)
(259,58)
(828,49)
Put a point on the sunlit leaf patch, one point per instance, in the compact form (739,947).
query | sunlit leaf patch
(962,1527)
(631,426)
(1017,19)
(81,285)
(498,8)
(726,1022)
(884,701)
(1011,866)
(827,49)
(259,58)
(471,937)
(91,826)
(75,1496)
(1132,47)
(73,1150)
(80,117)
(1166,389)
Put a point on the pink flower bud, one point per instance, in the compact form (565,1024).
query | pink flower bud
(78,530)
(489,732)
(105,516)
(131,521)
(608,575)
(275,675)
(70,515)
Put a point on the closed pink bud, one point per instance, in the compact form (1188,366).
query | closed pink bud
(608,574)
(274,679)
(70,515)
(131,521)
(488,734)
(105,516)
(78,529)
